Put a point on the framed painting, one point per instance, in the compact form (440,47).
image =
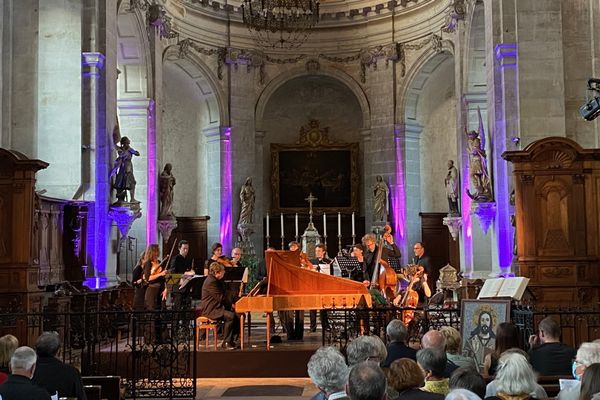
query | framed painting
(327,170)
(479,319)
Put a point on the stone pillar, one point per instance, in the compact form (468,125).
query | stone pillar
(218,153)
(263,200)
(367,198)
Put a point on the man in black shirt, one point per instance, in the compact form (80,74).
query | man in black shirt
(421,258)
(548,355)
(18,386)
(181,262)
(397,335)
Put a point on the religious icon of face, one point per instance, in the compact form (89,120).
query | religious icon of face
(485,322)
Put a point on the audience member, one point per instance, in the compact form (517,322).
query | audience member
(436,340)
(366,348)
(327,369)
(453,343)
(366,382)
(397,335)
(515,379)
(433,363)
(8,345)
(468,378)
(587,354)
(407,378)
(462,394)
(547,354)
(51,373)
(18,386)
(507,337)
(538,392)
(590,382)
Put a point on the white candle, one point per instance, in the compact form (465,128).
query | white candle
(267,224)
(340,224)
(324,224)
(353,232)
(282,235)
(296,224)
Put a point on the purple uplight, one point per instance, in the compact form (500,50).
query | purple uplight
(225,223)
(399,194)
(506,54)
(152,199)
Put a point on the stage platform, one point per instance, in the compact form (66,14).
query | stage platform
(286,359)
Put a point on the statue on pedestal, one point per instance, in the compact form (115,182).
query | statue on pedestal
(451,184)
(247,199)
(380,200)
(122,170)
(166,183)
(480,190)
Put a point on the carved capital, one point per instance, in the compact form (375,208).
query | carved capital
(454,224)
(124,215)
(456,12)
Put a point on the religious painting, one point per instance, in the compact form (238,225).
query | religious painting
(479,320)
(314,165)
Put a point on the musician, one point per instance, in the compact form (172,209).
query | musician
(138,284)
(293,321)
(181,262)
(214,304)
(216,256)
(390,249)
(319,261)
(359,274)
(420,257)
(154,277)
(304,260)
(236,255)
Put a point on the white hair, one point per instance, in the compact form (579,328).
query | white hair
(396,331)
(23,358)
(364,348)
(462,394)
(327,369)
(515,375)
(589,353)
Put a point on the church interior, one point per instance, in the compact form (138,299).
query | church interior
(457,138)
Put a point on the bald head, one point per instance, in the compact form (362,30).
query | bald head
(434,340)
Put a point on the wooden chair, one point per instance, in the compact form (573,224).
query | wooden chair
(551,384)
(111,385)
(208,325)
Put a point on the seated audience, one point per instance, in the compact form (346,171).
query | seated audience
(469,379)
(507,337)
(366,348)
(590,382)
(433,362)
(436,340)
(397,335)
(462,394)
(537,393)
(51,373)
(8,345)
(407,378)
(548,355)
(453,342)
(587,354)
(327,369)
(515,379)
(366,382)
(18,386)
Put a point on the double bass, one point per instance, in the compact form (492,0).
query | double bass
(384,277)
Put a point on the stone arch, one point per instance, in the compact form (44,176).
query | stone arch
(474,54)
(297,72)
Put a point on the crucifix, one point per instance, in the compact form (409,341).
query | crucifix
(311,199)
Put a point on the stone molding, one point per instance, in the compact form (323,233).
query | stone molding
(92,64)
(506,54)
(216,134)
(134,107)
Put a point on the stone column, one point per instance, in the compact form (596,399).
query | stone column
(263,200)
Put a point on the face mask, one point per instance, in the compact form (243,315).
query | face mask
(574,371)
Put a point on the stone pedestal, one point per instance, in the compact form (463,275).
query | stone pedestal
(485,212)
(123,214)
(166,226)
(454,224)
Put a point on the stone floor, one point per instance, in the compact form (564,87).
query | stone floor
(214,388)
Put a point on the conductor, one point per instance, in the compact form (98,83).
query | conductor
(214,304)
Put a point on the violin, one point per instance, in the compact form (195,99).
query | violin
(225,261)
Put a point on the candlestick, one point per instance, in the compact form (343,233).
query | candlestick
(353,231)
(324,224)
(339,223)
(267,224)
(296,226)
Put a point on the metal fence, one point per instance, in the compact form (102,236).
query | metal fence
(153,352)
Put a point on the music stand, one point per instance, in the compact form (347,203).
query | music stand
(395,264)
(193,288)
(234,274)
(346,264)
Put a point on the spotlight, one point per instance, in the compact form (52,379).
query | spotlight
(591,109)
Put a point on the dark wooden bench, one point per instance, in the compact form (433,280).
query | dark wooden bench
(551,384)
(93,392)
(110,385)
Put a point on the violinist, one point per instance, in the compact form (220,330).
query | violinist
(154,277)
(304,260)
(217,256)
(390,249)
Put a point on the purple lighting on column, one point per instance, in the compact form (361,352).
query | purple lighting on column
(225,223)
(151,197)
(399,194)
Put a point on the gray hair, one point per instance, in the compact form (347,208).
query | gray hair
(396,331)
(462,394)
(366,382)
(434,340)
(432,360)
(24,358)
(588,353)
(327,369)
(47,344)
(515,375)
(364,348)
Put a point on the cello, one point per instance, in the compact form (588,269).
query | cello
(384,277)
(410,299)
